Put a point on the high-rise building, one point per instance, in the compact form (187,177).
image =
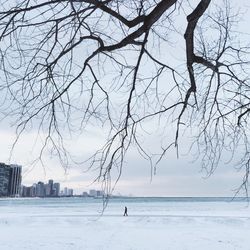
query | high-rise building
(50,183)
(70,192)
(56,189)
(40,189)
(47,188)
(33,190)
(65,191)
(4,179)
(15,180)
(28,191)
(25,191)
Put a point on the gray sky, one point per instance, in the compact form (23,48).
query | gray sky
(174,177)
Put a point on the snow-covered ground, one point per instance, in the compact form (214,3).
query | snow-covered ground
(76,224)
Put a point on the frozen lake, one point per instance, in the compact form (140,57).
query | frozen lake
(153,223)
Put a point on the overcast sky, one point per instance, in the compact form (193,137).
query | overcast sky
(174,177)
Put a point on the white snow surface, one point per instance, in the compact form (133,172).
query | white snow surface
(77,224)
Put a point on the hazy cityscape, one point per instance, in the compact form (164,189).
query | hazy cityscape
(124,125)
(11,186)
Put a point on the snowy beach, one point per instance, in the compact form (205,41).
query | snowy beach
(158,223)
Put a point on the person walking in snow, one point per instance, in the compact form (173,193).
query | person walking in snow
(125,212)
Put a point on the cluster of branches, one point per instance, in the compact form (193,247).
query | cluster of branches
(122,64)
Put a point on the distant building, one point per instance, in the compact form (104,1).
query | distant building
(47,188)
(99,193)
(24,191)
(40,189)
(50,183)
(85,194)
(70,192)
(33,190)
(4,179)
(65,191)
(15,180)
(56,189)
(92,192)
(27,191)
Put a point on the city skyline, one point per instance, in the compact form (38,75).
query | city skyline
(11,186)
